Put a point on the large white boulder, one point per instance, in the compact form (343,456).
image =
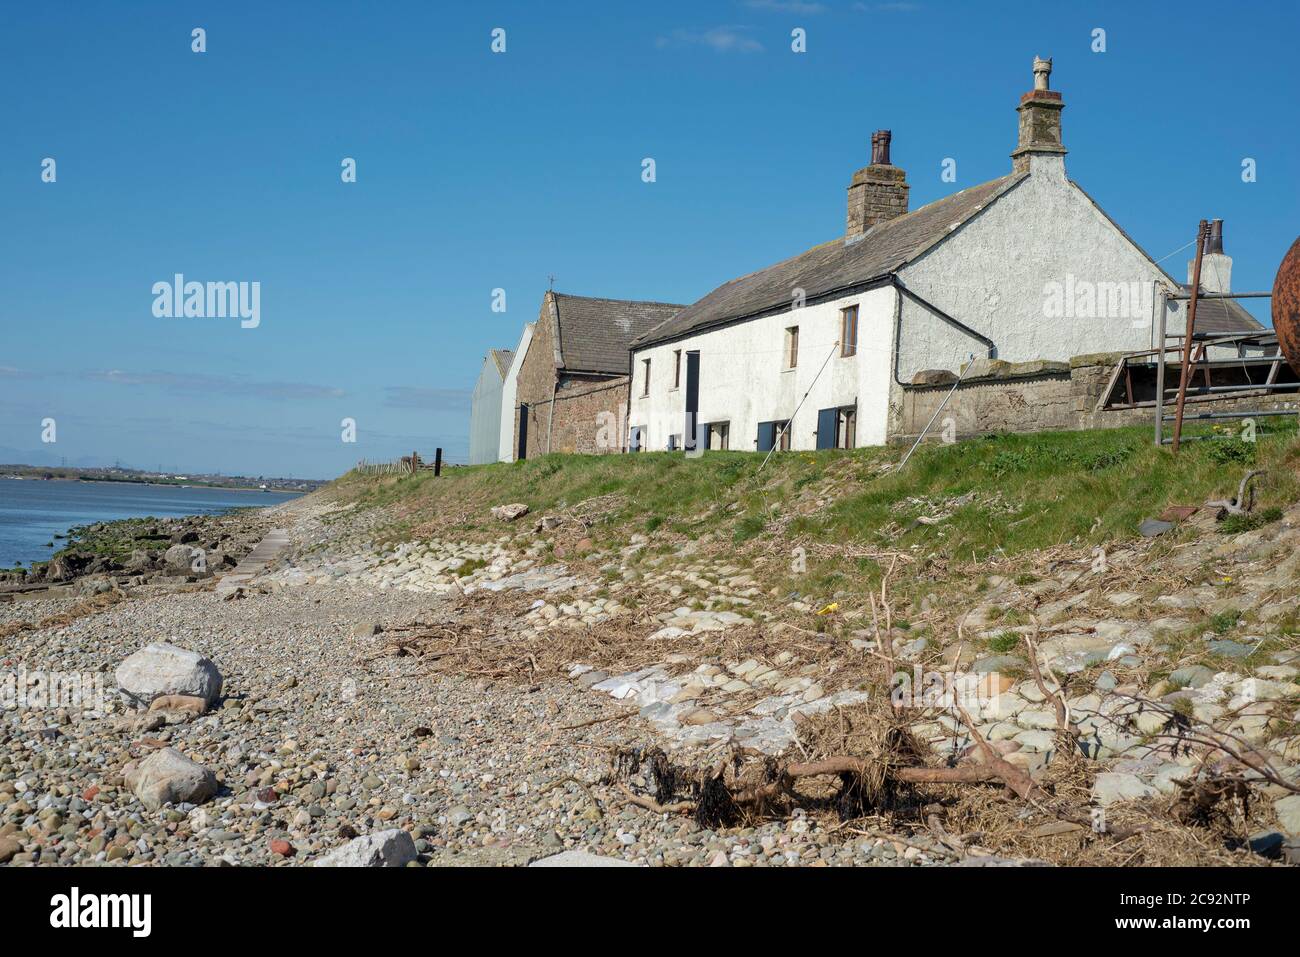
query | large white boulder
(164,669)
(391,848)
(169,777)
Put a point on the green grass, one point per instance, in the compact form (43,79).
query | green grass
(1037,490)
(1003,643)
(1003,493)
(469,566)
(1225,621)
(1234,524)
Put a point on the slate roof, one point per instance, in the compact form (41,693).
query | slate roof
(593,335)
(503,358)
(838,264)
(1219,317)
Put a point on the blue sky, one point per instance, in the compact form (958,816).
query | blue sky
(478,171)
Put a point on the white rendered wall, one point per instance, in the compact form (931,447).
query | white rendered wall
(509,396)
(994,272)
(743,379)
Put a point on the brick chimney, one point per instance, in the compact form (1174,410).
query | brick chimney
(1216,265)
(877,192)
(1040,124)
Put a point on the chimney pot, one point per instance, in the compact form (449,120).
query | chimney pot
(877,192)
(1216,267)
(1040,121)
(880,156)
(1042,73)
(1215,242)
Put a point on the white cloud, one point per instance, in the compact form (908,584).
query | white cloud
(786,6)
(897,6)
(224,385)
(415,397)
(718,39)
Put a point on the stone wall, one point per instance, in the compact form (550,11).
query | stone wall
(589,415)
(1038,396)
(577,423)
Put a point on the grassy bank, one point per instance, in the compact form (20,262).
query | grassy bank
(1004,493)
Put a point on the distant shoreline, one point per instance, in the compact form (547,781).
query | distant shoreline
(103,481)
(21,472)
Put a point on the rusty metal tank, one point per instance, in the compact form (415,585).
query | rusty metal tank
(1286,306)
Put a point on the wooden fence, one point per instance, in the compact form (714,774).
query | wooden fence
(406,465)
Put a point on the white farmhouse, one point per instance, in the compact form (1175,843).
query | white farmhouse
(811,352)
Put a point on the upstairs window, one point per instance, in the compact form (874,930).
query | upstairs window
(849,331)
(677,368)
(791,347)
(645,382)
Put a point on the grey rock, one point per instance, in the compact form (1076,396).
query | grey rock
(996,663)
(391,848)
(1112,787)
(1193,676)
(1152,527)
(1288,814)
(164,669)
(1230,649)
(179,559)
(169,777)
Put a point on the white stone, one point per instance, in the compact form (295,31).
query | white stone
(391,848)
(169,777)
(1288,814)
(164,669)
(1111,787)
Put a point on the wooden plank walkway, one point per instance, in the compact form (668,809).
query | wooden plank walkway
(255,561)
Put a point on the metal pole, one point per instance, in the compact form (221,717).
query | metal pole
(961,372)
(790,422)
(1162,305)
(1202,232)
(437,462)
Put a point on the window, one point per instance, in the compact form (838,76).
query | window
(717,435)
(677,368)
(636,438)
(645,388)
(783,436)
(849,331)
(674,442)
(791,347)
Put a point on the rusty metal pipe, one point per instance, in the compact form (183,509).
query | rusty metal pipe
(1202,234)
